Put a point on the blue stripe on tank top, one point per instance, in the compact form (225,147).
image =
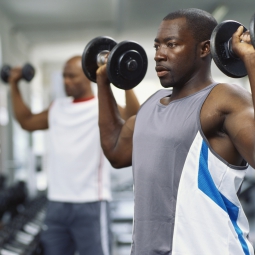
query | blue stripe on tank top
(207,185)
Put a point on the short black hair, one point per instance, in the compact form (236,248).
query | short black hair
(200,23)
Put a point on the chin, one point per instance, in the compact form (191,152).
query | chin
(68,94)
(167,85)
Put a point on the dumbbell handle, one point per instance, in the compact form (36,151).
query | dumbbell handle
(101,57)
(229,50)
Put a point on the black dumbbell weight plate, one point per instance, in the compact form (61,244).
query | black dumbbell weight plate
(90,53)
(231,66)
(5,72)
(252,30)
(28,72)
(127,65)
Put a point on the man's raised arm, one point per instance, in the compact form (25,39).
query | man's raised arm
(241,43)
(240,120)
(24,116)
(115,134)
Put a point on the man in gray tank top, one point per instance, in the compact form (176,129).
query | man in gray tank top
(188,146)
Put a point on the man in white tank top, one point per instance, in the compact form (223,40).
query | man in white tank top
(77,216)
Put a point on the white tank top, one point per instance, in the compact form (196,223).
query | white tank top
(77,168)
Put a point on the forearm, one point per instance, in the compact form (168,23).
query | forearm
(21,111)
(132,104)
(110,121)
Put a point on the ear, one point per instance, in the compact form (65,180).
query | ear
(205,49)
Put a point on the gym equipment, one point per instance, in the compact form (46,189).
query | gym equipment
(221,48)
(94,55)
(21,235)
(126,62)
(28,72)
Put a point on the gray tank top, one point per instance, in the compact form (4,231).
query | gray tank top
(162,138)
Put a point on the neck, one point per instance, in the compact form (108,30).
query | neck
(198,82)
(84,97)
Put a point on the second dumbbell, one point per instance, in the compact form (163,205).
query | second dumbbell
(221,47)
(28,72)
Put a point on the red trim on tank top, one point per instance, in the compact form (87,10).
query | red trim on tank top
(79,100)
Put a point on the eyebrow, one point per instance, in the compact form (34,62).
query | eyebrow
(167,39)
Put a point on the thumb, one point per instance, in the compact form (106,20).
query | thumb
(237,34)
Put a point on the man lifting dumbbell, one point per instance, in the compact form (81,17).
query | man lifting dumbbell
(77,217)
(189,145)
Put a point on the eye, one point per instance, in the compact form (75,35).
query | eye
(71,76)
(156,46)
(171,44)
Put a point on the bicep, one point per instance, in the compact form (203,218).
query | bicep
(240,126)
(36,121)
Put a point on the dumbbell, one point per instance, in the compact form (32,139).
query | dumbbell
(126,61)
(221,47)
(28,72)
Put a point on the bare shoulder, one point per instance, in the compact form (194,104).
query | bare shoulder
(230,96)
(224,100)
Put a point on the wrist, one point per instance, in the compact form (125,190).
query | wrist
(103,81)
(249,59)
(14,84)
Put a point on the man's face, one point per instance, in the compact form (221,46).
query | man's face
(176,52)
(74,79)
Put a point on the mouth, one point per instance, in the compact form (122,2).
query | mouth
(161,71)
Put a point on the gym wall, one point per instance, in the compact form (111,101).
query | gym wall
(14,49)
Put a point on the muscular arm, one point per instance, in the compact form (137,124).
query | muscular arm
(245,50)
(24,116)
(115,134)
(240,121)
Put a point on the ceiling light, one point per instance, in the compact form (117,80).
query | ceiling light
(220,12)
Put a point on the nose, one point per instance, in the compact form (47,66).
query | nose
(160,54)
(66,81)
(67,85)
